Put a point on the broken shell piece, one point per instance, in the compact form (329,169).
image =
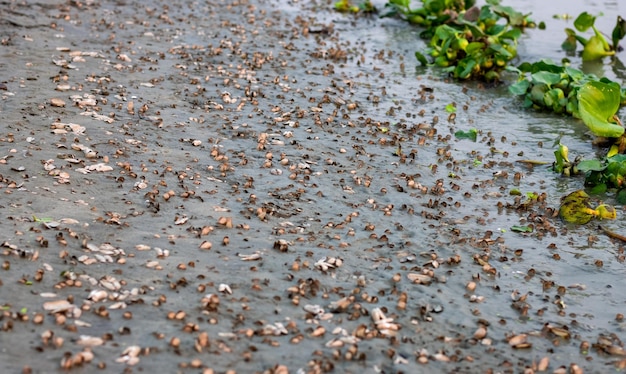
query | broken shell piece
(100,167)
(56,102)
(341,304)
(281,245)
(276,329)
(58,306)
(88,152)
(225,288)
(384,325)
(326,263)
(225,222)
(130,356)
(89,341)
(419,278)
(181,220)
(519,341)
(251,257)
(314,309)
(210,302)
(97,295)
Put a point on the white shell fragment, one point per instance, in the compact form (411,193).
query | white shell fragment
(383,324)
(251,257)
(100,167)
(225,288)
(326,263)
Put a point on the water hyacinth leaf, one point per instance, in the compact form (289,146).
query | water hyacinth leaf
(619,31)
(547,66)
(421,58)
(546,77)
(597,104)
(521,229)
(621,196)
(445,32)
(595,49)
(590,165)
(470,134)
(520,87)
(473,47)
(498,48)
(574,74)
(584,21)
(513,34)
(514,17)
(464,69)
(599,189)
(617,158)
(570,43)
(495,29)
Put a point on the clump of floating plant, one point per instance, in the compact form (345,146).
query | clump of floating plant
(346,6)
(478,43)
(431,13)
(597,46)
(576,208)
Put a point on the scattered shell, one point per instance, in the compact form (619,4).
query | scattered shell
(326,263)
(419,278)
(89,341)
(57,102)
(223,287)
(383,324)
(251,257)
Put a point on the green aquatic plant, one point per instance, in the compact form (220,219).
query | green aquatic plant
(576,208)
(598,103)
(546,85)
(597,46)
(347,6)
(431,13)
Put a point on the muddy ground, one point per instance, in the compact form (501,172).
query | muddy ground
(268,186)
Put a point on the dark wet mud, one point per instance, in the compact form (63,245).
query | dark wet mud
(264,186)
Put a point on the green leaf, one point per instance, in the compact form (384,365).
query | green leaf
(598,189)
(547,66)
(546,78)
(519,88)
(621,197)
(584,21)
(474,46)
(574,74)
(498,48)
(512,34)
(421,58)
(595,49)
(521,229)
(617,158)
(590,165)
(597,104)
(465,68)
(471,134)
(619,31)
(444,32)
(569,45)
(451,108)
